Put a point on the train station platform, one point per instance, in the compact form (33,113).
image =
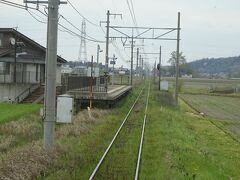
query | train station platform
(114,93)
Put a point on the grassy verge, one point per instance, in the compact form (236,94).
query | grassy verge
(181,145)
(21,132)
(11,112)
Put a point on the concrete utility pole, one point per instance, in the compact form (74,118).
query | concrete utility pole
(177,62)
(137,61)
(107,48)
(160,64)
(131,72)
(51,67)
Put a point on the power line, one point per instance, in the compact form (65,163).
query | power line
(82,15)
(79,29)
(134,15)
(67,30)
(20,6)
(78,35)
(31,13)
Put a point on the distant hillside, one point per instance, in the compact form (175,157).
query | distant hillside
(221,67)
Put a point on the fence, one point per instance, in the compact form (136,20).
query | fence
(83,83)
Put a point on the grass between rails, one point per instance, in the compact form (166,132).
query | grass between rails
(179,145)
(11,112)
(120,163)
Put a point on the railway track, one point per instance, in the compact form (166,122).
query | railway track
(120,129)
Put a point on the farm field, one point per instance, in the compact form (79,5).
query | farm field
(218,107)
(223,111)
(204,86)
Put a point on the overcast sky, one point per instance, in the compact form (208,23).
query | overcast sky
(210,28)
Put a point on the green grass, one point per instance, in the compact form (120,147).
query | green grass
(11,112)
(179,145)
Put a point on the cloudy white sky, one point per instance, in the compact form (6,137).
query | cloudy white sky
(210,28)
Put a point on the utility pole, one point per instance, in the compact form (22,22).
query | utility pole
(131,72)
(137,61)
(51,67)
(160,64)
(142,69)
(177,62)
(107,48)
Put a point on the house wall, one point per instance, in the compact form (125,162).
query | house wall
(8,92)
(32,74)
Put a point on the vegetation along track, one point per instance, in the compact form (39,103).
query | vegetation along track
(123,161)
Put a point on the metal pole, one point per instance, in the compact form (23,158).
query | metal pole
(142,69)
(160,64)
(140,65)
(177,61)
(98,78)
(91,84)
(137,61)
(107,46)
(98,49)
(154,71)
(131,72)
(51,65)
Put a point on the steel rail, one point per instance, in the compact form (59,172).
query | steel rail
(142,138)
(114,138)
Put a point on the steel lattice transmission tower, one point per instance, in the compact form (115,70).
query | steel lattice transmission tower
(82,57)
